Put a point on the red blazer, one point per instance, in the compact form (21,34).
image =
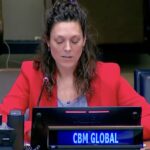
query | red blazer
(109,89)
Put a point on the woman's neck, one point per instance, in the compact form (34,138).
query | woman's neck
(64,73)
(65,85)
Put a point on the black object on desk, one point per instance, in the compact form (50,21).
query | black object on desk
(16,120)
(7,136)
(79,116)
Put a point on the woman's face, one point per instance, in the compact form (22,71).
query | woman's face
(66,43)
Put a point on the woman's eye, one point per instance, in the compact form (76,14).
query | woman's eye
(75,41)
(59,41)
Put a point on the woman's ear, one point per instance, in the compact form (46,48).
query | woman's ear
(84,41)
(47,41)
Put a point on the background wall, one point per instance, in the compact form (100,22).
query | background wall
(23,19)
(1,29)
(117,21)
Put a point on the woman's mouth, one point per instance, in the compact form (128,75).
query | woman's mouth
(67,57)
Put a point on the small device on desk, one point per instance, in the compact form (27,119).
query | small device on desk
(12,133)
(16,120)
(7,136)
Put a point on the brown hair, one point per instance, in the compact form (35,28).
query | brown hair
(68,10)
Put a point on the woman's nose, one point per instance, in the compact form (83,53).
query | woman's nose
(67,46)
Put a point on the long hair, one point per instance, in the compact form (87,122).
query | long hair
(68,10)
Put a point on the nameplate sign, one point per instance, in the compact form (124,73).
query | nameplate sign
(95,136)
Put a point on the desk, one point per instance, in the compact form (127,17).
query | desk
(147,145)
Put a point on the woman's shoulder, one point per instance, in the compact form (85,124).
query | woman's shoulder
(107,66)
(27,65)
(107,69)
(28,68)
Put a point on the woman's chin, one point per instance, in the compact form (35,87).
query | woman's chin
(68,66)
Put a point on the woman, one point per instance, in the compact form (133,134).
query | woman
(72,76)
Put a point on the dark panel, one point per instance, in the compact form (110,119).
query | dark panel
(1,23)
(147,20)
(117,21)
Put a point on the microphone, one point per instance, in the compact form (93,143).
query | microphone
(45,82)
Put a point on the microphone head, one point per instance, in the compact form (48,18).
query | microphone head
(45,80)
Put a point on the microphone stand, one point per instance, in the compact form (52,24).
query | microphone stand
(45,81)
